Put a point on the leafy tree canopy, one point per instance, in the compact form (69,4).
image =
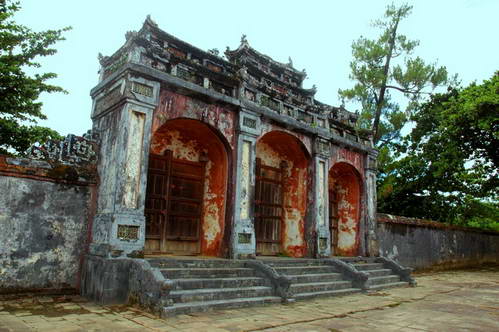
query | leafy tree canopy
(19,92)
(385,65)
(449,169)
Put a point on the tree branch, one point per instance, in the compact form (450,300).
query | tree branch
(406,90)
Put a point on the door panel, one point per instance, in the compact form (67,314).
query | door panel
(269,209)
(333,220)
(174,206)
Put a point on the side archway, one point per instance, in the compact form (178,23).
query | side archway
(187,189)
(345,188)
(281,195)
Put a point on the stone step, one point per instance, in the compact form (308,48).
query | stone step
(390,285)
(194,263)
(353,260)
(338,292)
(384,280)
(181,273)
(378,273)
(213,294)
(193,283)
(186,308)
(292,262)
(318,277)
(368,266)
(300,270)
(319,286)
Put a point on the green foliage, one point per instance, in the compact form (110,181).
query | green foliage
(383,65)
(19,92)
(450,163)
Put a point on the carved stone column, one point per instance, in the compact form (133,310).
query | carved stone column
(122,115)
(243,236)
(372,246)
(320,208)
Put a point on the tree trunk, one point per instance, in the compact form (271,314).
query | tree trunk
(381,98)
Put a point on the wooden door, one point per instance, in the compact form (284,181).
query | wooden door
(174,205)
(185,205)
(269,209)
(158,177)
(333,220)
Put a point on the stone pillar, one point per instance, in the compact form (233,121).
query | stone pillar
(243,235)
(372,246)
(320,209)
(122,115)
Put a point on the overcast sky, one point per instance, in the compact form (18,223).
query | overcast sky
(463,35)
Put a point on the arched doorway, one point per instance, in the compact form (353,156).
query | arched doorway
(186,190)
(280,195)
(344,209)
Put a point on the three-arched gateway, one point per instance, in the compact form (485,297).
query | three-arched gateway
(280,195)
(186,190)
(345,190)
(228,157)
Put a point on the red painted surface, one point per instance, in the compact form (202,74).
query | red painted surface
(190,140)
(173,105)
(272,148)
(342,155)
(305,140)
(346,182)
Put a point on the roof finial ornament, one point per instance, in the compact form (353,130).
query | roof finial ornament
(290,62)
(244,40)
(102,59)
(150,21)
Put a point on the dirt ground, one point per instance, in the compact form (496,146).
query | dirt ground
(461,300)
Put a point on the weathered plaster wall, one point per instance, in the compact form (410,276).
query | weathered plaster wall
(422,244)
(345,182)
(173,105)
(189,140)
(44,226)
(273,148)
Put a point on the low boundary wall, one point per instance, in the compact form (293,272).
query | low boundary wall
(423,244)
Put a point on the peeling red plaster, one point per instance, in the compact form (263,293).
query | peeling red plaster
(187,139)
(173,105)
(344,179)
(272,148)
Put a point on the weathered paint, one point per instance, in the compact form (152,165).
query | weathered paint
(354,158)
(245,179)
(43,216)
(345,181)
(173,106)
(272,148)
(305,141)
(189,140)
(132,171)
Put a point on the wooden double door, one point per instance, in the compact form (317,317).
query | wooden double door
(174,205)
(269,208)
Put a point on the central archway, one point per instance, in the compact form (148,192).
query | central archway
(281,195)
(344,209)
(186,190)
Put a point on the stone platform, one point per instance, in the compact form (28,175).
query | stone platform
(465,300)
(177,285)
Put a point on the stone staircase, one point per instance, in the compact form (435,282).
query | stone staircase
(194,285)
(201,285)
(380,276)
(311,278)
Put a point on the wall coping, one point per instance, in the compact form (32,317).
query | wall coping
(392,219)
(44,171)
